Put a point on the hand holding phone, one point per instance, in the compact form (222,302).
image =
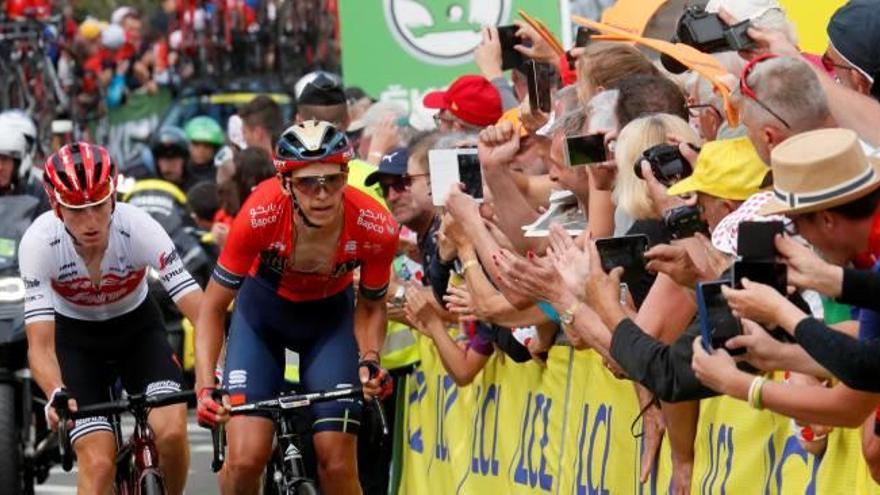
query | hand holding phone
(717,323)
(453,166)
(627,252)
(510,57)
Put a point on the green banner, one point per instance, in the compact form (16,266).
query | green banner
(401,49)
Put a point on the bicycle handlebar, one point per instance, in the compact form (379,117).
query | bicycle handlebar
(285,403)
(132,402)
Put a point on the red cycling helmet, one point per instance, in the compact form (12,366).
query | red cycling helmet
(80,175)
(310,142)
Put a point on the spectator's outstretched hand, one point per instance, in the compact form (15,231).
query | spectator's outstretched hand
(419,310)
(535,277)
(603,290)
(571,261)
(806,270)
(461,205)
(487,55)
(460,302)
(762,351)
(539,50)
(713,370)
(757,302)
(498,144)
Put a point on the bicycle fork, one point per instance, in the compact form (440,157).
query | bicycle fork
(288,453)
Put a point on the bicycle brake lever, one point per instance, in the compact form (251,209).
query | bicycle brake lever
(381,413)
(218,437)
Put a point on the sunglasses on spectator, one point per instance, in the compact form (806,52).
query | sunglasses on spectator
(750,93)
(830,64)
(694,110)
(399,183)
(311,185)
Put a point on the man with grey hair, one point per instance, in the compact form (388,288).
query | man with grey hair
(781,97)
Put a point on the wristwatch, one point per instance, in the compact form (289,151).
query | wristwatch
(567,316)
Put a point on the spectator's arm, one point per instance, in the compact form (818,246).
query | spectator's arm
(462,365)
(860,288)
(856,363)
(667,310)
(505,90)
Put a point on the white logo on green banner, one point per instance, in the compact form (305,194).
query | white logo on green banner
(442,32)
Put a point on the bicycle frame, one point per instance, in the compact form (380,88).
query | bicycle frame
(137,459)
(286,454)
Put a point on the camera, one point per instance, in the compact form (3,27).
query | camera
(684,222)
(709,34)
(667,164)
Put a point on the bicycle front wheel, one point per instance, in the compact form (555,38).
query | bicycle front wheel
(305,487)
(151,484)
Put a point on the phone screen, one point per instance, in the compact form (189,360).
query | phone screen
(470,174)
(627,252)
(538,83)
(769,273)
(586,149)
(756,240)
(510,58)
(717,323)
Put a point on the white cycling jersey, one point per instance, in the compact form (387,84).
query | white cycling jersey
(56,278)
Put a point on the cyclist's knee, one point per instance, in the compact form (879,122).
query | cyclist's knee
(170,425)
(96,458)
(336,455)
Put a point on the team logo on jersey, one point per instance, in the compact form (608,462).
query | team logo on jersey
(351,247)
(167,259)
(30,283)
(443,32)
(263,215)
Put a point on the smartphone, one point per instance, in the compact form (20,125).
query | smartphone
(756,240)
(770,273)
(452,166)
(717,323)
(538,82)
(585,150)
(470,173)
(627,251)
(510,58)
(583,36)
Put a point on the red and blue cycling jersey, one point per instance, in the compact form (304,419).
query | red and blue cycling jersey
(261,239)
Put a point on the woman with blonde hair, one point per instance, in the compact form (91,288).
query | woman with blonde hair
(631,193)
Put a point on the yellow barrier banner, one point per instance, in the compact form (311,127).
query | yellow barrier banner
(570,427)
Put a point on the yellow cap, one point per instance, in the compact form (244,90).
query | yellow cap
(91,29)
(513,116)
(727,169)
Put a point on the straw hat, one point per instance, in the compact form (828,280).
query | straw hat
(818,170)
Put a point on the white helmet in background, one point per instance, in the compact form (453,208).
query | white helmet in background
(300,85)
(13,145)
(16,121)
(113,37)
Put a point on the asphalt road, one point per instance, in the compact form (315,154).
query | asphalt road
(201,480)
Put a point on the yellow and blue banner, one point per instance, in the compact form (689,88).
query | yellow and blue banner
(568,428)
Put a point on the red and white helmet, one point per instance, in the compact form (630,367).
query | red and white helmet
(80,175)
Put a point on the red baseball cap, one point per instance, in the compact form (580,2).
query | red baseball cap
(473,99)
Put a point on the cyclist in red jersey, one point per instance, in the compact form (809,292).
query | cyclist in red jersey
(288,261)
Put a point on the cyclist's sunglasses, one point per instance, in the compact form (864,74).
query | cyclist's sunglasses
(400,183)
(750,93)
(312,184)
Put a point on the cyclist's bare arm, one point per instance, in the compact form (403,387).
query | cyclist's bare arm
(189,305)
(370,322)
(209,331)
(41,355)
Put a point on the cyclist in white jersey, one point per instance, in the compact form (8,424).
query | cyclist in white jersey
(88,316)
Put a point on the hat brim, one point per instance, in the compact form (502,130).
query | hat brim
(777,207)
(374,177)
(435,100)
(685,186)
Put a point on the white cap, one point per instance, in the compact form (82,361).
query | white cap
(119,14)
(743,9)
(235,131)
(113,37)
(376,113)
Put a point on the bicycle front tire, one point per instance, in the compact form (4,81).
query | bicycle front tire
(152,484)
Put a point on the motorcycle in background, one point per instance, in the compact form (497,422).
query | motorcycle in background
(27,447)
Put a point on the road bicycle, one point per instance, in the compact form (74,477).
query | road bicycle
(137,459)
(286,473)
